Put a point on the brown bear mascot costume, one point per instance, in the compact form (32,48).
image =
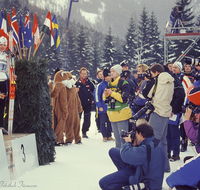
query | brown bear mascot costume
(66,109)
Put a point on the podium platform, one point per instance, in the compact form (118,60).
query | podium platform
(18,155)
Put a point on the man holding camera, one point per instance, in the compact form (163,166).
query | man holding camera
(116,95)
(132,161)
(160,91)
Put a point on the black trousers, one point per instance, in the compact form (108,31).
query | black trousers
(87,115)
(3,89)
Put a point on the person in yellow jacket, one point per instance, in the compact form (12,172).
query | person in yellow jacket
(119,113)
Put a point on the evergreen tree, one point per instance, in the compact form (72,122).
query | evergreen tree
(82,48)
(109,50)
(131,42)
(71,51)
(155,43)
(95,59)
(34,115)
(143,50)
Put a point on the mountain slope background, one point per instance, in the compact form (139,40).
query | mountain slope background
(100,15)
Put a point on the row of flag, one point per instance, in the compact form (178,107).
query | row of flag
(22,33)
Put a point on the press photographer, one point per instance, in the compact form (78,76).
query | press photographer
(187,177)
(141,161)
(160,90)
(118,110)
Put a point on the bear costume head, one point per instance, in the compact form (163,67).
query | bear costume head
(64,77)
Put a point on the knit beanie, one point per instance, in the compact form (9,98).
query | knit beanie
(117,68)
(179,64)
(106,72)
(3,40)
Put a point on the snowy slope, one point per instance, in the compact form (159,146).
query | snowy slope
(79,167)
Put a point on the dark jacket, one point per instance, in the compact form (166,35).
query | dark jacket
(85,92)
(179,95)
(137,156)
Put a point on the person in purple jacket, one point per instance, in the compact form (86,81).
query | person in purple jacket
(191,127)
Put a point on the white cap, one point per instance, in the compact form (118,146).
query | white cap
(179,64)
(3,40)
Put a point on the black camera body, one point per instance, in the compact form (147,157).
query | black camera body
(133,131)
(195,109)
(132,120)
(110,101)
(143,75)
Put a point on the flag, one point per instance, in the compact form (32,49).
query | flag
(47,28)
(27,31)
(56,33)
(14,28)
(4,23)
(4,27)
(35,31)
(9,20)
(21,27)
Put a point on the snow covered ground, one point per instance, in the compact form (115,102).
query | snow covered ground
(79,167)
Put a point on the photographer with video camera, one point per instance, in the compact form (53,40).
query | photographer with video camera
(160,91)
(140,160)
(116,97)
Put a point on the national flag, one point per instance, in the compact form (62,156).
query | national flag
(27,31)
(14,28)
(56,33)
(4,27)
(4,23)
(21,27)
(9,20)
(47,28)
(35,31)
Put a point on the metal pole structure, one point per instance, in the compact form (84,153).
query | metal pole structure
(67,25)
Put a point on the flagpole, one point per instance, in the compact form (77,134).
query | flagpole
(29,53)
(23,43)
(38,45)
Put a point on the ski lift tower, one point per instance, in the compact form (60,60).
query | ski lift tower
(185,33)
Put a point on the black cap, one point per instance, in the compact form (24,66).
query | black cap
(134,71)
(125,74)
(124,63)
(106,72)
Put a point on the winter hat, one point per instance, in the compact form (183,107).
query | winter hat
(3,40)
(106,72)
(117,68)
(179,64)
(134,71)
(126,74)
(124,63)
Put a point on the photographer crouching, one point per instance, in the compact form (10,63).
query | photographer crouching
(141,159)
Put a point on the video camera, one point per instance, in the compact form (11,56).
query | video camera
(132,120)
(143,75)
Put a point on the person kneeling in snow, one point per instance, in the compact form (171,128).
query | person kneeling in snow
(142,160)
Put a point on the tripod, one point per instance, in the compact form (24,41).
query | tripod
(178,23)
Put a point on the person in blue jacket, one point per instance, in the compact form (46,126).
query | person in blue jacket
(105,125)
(131,161)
